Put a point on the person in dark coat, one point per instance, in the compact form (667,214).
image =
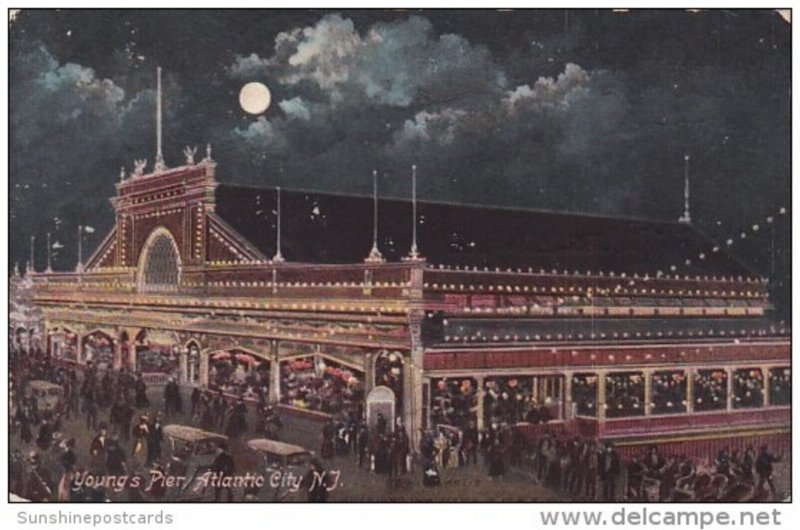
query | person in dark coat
(748,463)
(140,393)
(316,482)
(37,485)
(764,469)
(220,409)
(25,433)
(224,466)
(98,448)
(609,472)
(380,425)
(91,411)
(155,436)
(171,398)
(115,458)
(195,400)
(328,432)
(45,437)
(496,464)
(363,446)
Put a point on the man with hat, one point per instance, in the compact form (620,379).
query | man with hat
(155,436)
(609,471)
(98,448)
(37,487)
(223,467)
(171,397)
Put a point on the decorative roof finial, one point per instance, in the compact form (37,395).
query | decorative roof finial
(208,153)
(138,167)
(160,165)
(189,153)
(122,173)
(686,217)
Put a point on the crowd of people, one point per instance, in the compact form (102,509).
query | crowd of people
(624,395)
(126,431)
(748,388)
(322,386)
(668,394)
(127,437)
(237,376)
(780,386)
(710,390)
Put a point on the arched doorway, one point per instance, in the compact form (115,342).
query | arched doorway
(389,373)
(64,344)
(98,348)
(156,354)
(320,383)
(381,404)
(193,362)
(159,263)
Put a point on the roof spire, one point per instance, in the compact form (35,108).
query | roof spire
(413,254)
(686,217)
(31,267)
(49,255)
(160,165)
(278,257)
(375,255)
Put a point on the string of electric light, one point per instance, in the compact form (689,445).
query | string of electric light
(754,228)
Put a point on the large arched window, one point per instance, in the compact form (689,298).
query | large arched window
(159,264)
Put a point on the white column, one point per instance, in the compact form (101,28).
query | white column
(765,376)
(601,394)
(274,374)
(648,391)
(567,391)
(729,373)
(481,392)
(690,390)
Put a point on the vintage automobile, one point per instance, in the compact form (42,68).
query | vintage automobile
(281,461)
(47,395)
(192,451)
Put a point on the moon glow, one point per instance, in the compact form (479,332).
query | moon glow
(255,98)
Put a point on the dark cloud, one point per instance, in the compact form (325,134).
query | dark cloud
(580,111)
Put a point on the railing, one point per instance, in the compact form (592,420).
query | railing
(155,378)
(683,422)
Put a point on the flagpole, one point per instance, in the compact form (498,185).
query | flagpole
(49,257)
(414,252)
(159,165)
(31,267)
(278,257)
(375,255)
(79,268)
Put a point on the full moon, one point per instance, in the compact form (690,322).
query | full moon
(255,98)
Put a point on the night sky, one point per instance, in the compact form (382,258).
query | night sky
(581,111)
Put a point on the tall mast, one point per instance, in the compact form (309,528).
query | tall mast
(49,257)
(414,253)
(686,217)
(79,267)
(160,165)
(31,267)
(278,257)
(375,255)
